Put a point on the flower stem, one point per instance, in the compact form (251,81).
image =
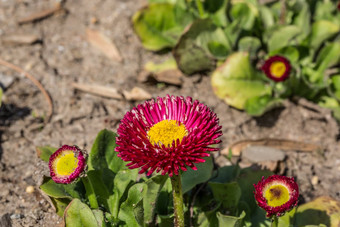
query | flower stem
(90,193)
(275,221)
(200,8)
(178,200)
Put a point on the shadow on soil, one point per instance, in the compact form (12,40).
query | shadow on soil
(269,119)
(312,217)
(10,113)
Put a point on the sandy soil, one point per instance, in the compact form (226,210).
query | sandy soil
(64,56)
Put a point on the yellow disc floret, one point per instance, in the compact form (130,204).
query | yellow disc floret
(65,164)
(277,69)
(276,195)
(166,131)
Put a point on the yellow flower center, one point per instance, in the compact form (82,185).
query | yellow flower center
(166,131)
(65,163)
(276,195)
(277,69)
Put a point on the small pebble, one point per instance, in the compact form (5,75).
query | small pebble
(6,81)
(315,180)
(15,216)
(30,189)
(94,20)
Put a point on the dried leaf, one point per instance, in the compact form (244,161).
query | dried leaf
(137,94)
(281,144)
(40,15)
(98,90)
(104,44)
(172,76)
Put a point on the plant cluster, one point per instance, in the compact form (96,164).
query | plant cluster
(158,171)
(234,38)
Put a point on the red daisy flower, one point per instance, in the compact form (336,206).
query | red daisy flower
(167,135)
(66,164)
(277,68)
(276,194)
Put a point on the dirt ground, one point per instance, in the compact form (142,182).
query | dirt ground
(63,56)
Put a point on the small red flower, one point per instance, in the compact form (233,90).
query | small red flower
(66,164)
(167,134)
(276,194)
(277,68)
(339,5)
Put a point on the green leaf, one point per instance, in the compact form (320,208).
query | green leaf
(169,64)
(226,174)
(78,214)
(336,81)
(228,193)
(336,85)
(100,218)
(235,81)
(267,16)
(192,58)
(68,191)
(249,44)
(331,103)
(151,193)
(103,154)
(246,181)
(291,53)
(321,31)
(122,182)
(208,218)
(60,205)
(218,49)
(329,56)
(324,10)
(164,200)
(283,36)
(45,152)
(126,211)
(156,26)
(165,220)
(225,220)
(287,219)
(233,32)
(217,11)
(191,178)
(323,210)
(245,13)
(258,217)
(139,213)
(257,106)
(192,52)
(302,20)
(101,189)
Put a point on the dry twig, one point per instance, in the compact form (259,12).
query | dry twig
(21,39)
(36,82)
(99,90)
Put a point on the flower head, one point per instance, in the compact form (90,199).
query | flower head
(277,68)
(66,164)
(276,194)
(339,6)
(167,134)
